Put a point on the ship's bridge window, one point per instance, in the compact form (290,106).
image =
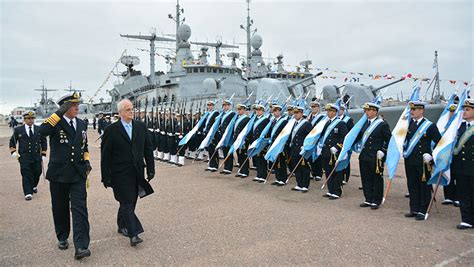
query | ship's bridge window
(201,69)
(208,70)
(188,70)
(195,70)
(221,71)
(279,76)
(231,71)
(226,71)
(214,70)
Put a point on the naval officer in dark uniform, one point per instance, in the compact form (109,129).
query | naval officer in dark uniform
(299,132)
(374,136)
(462,167)
(349,123)
(31,151)
(418,160)
(67,173)
(126,151)
(240,123)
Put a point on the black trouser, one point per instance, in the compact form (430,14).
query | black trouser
(229,163)
(317,167)
(466,197)
(261,165)
(213,156)
(301,172)
(450,191)
(61,195)
(372,182)
(254,161)
(335,182)
(158,141)
(126,218)
(172,144)
(241,157)
(281,173)
(181,149)
(420,191)
(164,142)
(30,173)
(346,173)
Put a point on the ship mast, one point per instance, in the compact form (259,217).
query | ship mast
(44,96)
(436,85)
(178,21)
(249,32)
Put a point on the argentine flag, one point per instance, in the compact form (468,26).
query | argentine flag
(210,135)
(399,133)
(258,145)
(311,140)
(443,120)
(227,136)
(346,151)
(443,153)
(239,142)
(191,133)
(279,144)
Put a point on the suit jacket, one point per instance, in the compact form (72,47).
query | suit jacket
(223,126)
(349,124)
(334,139)
(278,130)
(30,148)
(296,142)
(123,161)
(424,144)
(69,149)
(378,140)
(463,162)
(213,117)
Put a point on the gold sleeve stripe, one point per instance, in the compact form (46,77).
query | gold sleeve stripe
(86,156)
(339,145)
(53,119)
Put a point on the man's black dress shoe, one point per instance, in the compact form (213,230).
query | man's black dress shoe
(63,245)
(374,207)
(364,205)
(463,227)
(135,240)
(420,217)
(81,253)
(410,215)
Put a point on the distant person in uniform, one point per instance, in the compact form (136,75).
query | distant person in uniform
(126,152)
(67,173)
(31,151)
(94,122)
(100,123)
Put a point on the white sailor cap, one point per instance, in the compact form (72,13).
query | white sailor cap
(298,109)
(210,102)
(29,114)
(332,106)
(227,102)
(468,103)
(370,105)
(416,104)
(241,106)
(315,103)
(69,97)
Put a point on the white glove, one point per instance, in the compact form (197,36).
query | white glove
(333,150)
(180,136)
(43,158)
(15,155)
(427,158)
(380,154)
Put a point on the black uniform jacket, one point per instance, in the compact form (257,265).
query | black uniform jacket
(30,148)
(377,140)
(463,162)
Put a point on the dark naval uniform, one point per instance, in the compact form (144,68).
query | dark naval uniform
(211,118)
(371,168)
(298,134)
(334,139)
(316,165)
(350,123)
(224,123)
(462,169)
(281,174)
(259,159)
(242,152)
(418,173)
(31,147)
(67,173)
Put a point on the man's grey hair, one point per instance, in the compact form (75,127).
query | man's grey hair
(121,104)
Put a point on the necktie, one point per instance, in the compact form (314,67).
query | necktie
(30,133)
(129,130)
(72,126)
(368,124)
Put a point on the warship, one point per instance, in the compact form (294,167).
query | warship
(189,81)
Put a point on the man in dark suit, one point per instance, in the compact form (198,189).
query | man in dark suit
(374,135)
(67,173)
(31,151)
(332,138)
(227,116)
(240,123)
(126,147)
(417,152)
(260,123)
(299,132)
(101,123)
(207,125)
(462,167)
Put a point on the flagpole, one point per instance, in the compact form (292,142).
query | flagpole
(270,171)
(228,155)
(243,164)
(330,175)
(433,197)
(292,172)
(387,190)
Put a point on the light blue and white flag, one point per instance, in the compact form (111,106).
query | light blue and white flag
(399,133)
(346,151)
(227,136)
(260,143)
(240,141)
(191,133)
(210,135)
(443,152)
(443,120)
(311,140)
(279,144)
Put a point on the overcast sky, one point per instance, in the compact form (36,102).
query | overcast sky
(78,41)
